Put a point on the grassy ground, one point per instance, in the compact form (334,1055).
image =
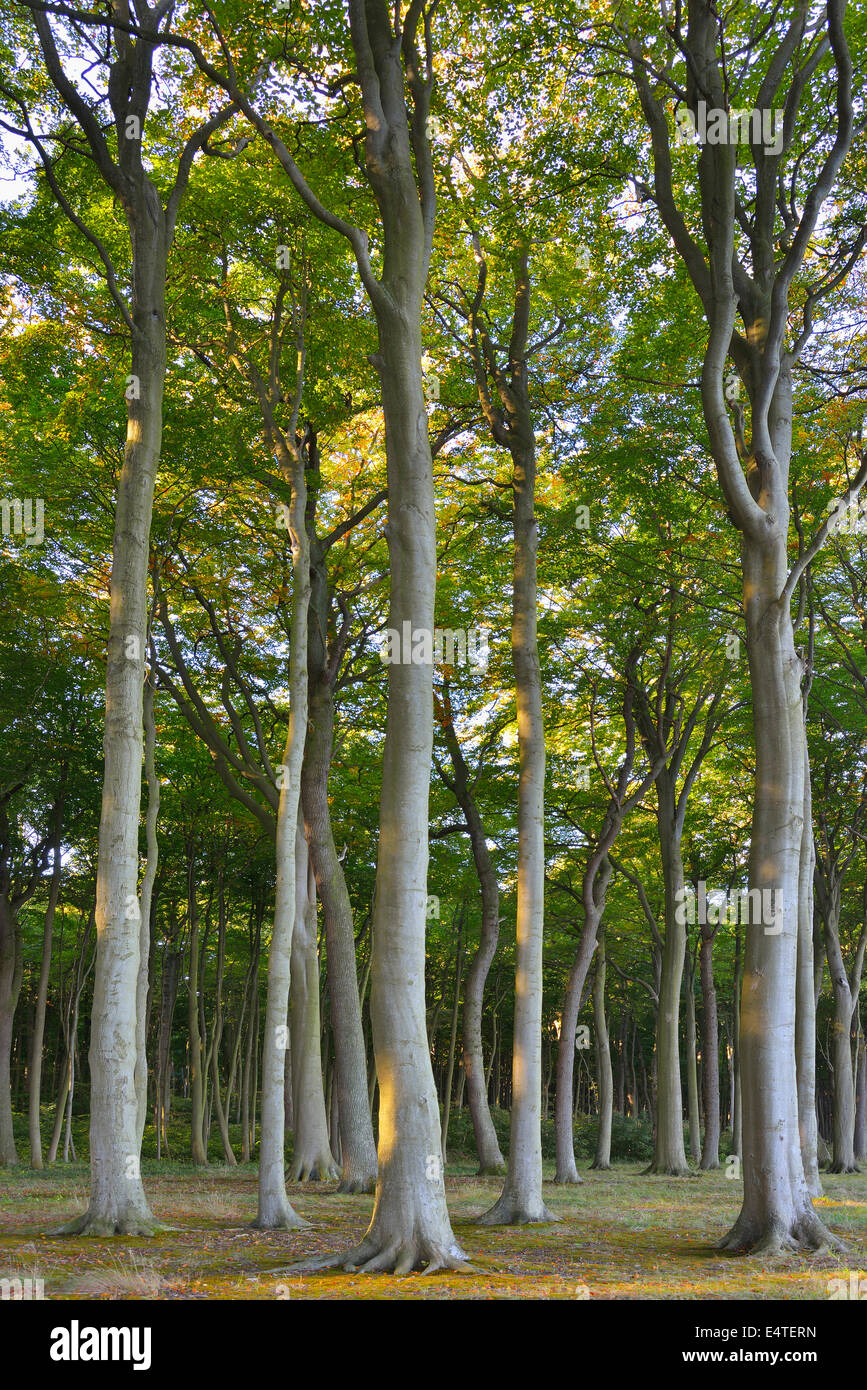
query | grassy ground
(621,1235)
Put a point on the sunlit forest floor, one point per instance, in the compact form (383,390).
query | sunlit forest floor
(621,1235)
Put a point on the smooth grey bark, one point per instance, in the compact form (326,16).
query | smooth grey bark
(521,1201)
(34,1075)
(669,1155)
(118,1204)
(11,974)
(70,1036)
(195,1047)
(312,1159)
(491,1161)
(737,1101)
(594,887)
(846,987)
(357,1144)
(145,904)
(213,1058)
(274,1209)
(691,1057)
(604,1073)
(860,1136)
(453,1031)
(745,270)
(805,1000)
(710,1051)
(410,1226)
(171,973)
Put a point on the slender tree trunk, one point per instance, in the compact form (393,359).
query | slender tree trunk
(737,1103)
(217,1034)
(37,1040)
(198,1150)
(453,1032)
(604,1074)
(275,1210)
(312,1159)
(145,905)
(860,1140)
(171,972)
(521,1201)
(669,1155)
(710,1052)
(118,1204)
(410,1223)
(70,1035)
(692,1063)
(491,1161)
(11,974)
(805,1000)
(358,1148)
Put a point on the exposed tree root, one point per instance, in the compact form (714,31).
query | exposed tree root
(353,1186)
(600,1167)
(512,1211)
(316,1168)
(843,1168)
(574,1178)
(773,1237)
(133,1224)
(399,1257)
(664,1170)
(283,1221)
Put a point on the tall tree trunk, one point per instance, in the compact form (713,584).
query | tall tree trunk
(37,1040)
(737,1100)
(195,1056)
(143,982)
(358,1147)
(710,1052)
(453,1031)
(491,1160)
(312,1159)
(777,1210)
(669,1155)
(11,974)
(805,999)
(118,1204)
(275,1210)
(604,1074)
(171,973)
(521,1200)
(692,1061)
(860,1140)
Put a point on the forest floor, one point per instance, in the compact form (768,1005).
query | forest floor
(622,1235)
